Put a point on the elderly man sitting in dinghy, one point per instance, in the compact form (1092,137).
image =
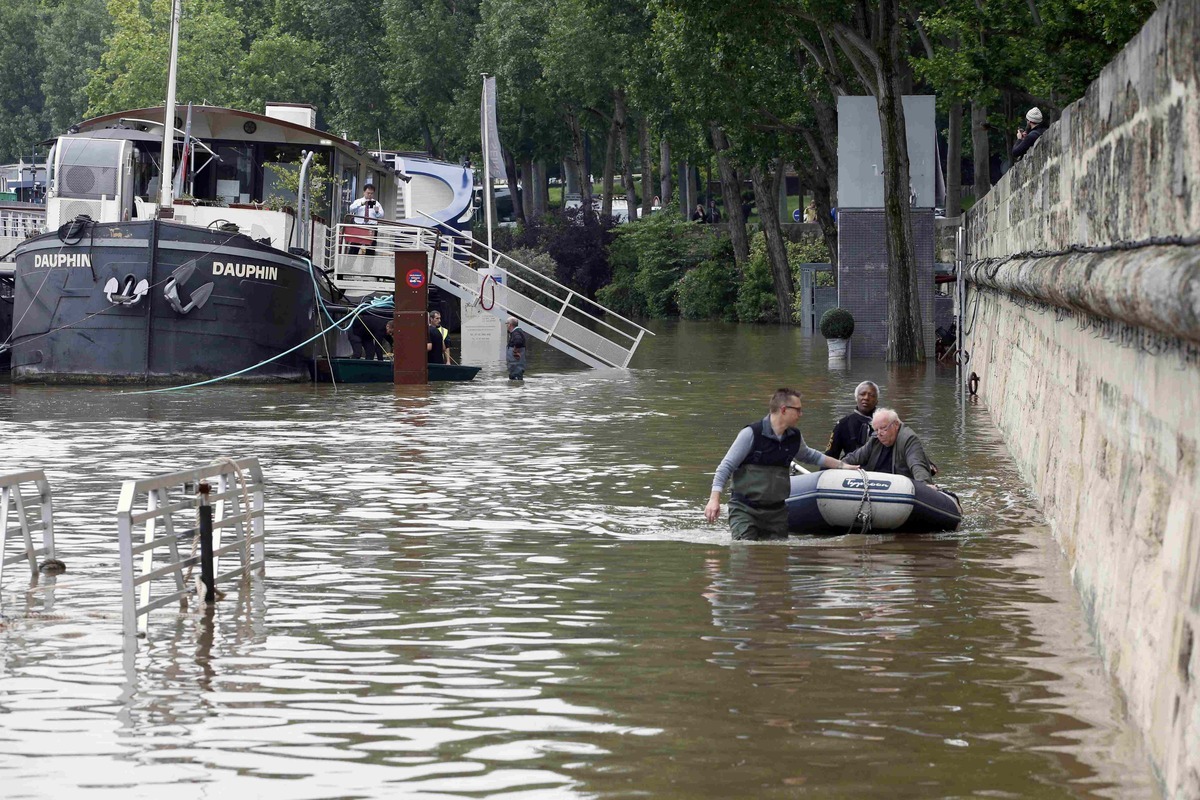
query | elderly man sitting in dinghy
(893,449)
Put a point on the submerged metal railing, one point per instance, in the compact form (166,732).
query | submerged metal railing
(497,283)
(26,523)
(170,520)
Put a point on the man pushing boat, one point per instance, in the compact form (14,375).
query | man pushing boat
(759,462)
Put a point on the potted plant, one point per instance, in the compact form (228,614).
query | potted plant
(837,326)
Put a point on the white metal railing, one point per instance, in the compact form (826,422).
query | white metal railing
(17,225)
(501,285)
(169,519)
(12,497)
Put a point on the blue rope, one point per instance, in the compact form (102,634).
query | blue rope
(379,302)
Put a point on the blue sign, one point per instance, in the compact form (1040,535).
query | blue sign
(796,215)
(415,278)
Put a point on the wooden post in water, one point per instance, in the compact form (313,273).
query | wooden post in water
(409,323)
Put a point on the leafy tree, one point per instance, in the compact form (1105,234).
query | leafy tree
(21,66)
(79,28)
(280,67)
(133,71)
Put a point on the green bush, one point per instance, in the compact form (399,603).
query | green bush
(756,293)
(650,256)
(709,291)
(837,323)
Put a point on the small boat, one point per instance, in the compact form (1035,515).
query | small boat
(362,370)
(840,501)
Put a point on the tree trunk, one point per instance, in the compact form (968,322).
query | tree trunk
(954,161)
(610,166)
(527,190)
(766,195)
(731,194)
(514,191)
(906,339)
(541,196)
(824,203)
(575,161)
(620,112)
(664,170)
(647,166)
(979,150)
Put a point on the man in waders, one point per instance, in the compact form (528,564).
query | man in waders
(759,461)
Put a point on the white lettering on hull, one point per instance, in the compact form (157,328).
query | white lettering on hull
(260,272)
(56,260)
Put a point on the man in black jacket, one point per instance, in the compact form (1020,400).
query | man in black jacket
(1028,137)
(853,430)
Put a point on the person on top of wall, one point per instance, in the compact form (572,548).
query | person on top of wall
(1027,137)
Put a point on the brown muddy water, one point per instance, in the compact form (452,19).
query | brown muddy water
(499,590)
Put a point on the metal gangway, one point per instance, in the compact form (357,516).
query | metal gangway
(364,262)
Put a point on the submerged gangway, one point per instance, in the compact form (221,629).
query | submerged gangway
(496,283)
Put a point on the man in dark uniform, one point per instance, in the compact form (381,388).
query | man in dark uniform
(853,430)
(895,449)
(759,462)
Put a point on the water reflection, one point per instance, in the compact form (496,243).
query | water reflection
(491,589)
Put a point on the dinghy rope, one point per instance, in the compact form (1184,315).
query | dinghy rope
(864,513)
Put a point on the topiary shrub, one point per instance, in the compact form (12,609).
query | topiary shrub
(837,323)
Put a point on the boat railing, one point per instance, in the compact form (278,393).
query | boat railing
(491,280)
(19,221)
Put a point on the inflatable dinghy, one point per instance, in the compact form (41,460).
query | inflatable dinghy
(836,501)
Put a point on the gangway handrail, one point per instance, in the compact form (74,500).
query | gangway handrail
(566,301)
(494,251)
(10,495)
(238,507)
(458,254)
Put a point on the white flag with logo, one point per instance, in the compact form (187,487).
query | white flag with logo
(490,135)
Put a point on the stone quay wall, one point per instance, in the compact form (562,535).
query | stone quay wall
(1089,361)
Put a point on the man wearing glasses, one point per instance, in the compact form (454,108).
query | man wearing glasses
(894,449)
(759,462)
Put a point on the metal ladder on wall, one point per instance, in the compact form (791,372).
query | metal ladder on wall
(498,284)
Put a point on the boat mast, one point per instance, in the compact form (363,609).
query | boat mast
(167,180)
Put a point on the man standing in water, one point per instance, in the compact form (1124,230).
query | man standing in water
(853,430)
(759,462)
(515,352)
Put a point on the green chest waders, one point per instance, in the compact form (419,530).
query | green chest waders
(757,509)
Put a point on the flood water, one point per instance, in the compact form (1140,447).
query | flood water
(509,590)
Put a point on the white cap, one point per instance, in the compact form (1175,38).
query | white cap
(1034,115)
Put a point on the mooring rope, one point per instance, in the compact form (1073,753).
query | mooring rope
(347,321)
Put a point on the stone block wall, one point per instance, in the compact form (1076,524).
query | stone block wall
(1089,361)
(863,276)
